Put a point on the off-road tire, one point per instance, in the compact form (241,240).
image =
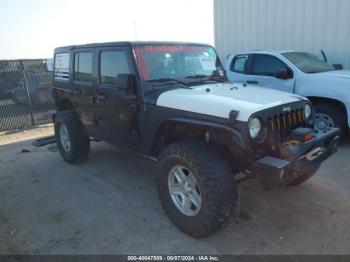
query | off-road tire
(80,142)
(335,113)
(216,182)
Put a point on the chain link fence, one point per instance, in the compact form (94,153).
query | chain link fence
(25,93)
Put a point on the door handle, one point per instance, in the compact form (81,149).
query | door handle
(101,97)
(252,82)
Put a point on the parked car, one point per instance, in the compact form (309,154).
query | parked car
(301,73)
(15,88)
(4,92)
(9,81)
(173,103)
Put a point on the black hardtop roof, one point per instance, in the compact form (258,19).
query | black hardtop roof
(124,43)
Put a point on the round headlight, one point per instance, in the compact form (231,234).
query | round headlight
(307,111)
(254,125)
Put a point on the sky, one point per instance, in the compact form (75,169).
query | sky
(33,28)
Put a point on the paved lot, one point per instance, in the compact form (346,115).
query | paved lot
(109,205)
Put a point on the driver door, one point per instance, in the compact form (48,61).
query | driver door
(114,115)
(263,72)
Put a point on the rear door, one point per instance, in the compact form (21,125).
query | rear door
(83,86)
(263,70)
(114,115)
(236,68)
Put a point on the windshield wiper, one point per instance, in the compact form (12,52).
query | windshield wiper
(205,78)
(167,79)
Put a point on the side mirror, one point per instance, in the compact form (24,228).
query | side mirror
(127,82)
(338,66)
(285,74)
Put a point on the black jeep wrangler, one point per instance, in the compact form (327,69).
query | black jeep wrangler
(172,102)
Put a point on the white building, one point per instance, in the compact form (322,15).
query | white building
(307,25)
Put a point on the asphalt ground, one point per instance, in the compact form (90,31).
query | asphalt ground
(109,205)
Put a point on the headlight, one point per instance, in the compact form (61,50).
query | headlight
(254,125)
(307,111)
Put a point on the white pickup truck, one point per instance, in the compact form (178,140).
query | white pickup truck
(301,73)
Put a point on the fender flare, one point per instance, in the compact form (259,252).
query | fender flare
(233,133)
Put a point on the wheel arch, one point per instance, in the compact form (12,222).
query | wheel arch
(178,129)
(65,104)
(335,102)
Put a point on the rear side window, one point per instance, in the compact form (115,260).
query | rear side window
(238,64)
(61,67)
(83,66)
(112,63)
(267,65)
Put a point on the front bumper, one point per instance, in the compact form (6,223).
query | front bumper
(282,171)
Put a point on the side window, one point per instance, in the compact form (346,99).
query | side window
(83,66)
(267,65)
(238,63)
(61,67)
(112,63)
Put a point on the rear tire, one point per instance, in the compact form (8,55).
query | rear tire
(72,142)
(216,188)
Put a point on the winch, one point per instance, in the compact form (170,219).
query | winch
(296,142)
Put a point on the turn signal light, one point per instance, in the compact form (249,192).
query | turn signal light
(308,137)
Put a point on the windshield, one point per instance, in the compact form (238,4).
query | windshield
(177,62)
(308,63)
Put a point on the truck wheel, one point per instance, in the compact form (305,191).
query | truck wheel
(329,116)
(72,142)
(196,188)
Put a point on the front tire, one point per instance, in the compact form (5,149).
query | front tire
(72,142)
(201,199)
(328,116)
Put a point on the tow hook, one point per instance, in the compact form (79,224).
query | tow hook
(319,151)
(315,153)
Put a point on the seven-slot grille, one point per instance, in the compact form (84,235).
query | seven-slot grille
(281,125)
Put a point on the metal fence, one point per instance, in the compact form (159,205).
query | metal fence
(25,93)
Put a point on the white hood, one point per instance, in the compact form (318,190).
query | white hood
(338,73)
(223,98)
